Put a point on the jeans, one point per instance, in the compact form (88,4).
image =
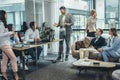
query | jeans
(106,54)
(32,51)
(65,37)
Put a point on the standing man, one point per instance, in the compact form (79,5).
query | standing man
(65,23)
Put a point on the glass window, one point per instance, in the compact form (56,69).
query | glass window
(111,13)
(100,14)
(10,19)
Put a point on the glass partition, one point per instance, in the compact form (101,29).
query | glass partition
(111,13)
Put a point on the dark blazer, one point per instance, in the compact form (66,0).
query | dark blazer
(99,43)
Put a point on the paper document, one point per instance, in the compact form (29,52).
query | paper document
(85,63)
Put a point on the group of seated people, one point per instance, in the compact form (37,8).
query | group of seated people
(31,35)
(105,48)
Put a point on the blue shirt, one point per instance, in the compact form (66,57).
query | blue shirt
(14,40)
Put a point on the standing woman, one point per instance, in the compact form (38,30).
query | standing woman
(7,52)
(91,28)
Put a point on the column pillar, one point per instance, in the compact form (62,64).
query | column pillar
(34,11)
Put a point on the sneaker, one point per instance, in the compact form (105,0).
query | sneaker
(58,59)
(21,66)
(66,58)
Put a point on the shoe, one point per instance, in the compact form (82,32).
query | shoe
(58,59)
(16,77)
(21,65)
(66,59)
(3,78)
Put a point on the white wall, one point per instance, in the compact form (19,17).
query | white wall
(51,16)
(2,2)
(100,8)
(76,4)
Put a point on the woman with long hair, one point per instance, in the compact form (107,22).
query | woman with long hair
(90,28)
(112,49)
(7,52)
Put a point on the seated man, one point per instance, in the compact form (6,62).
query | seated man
(116,75)
(112,49)
(96,43)
(31,35)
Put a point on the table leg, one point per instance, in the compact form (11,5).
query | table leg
(43,56)
(109,74)
(23,63)
(80,69)
(36,55)
(63,57)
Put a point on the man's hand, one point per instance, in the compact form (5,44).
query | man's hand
(55,24)
(37,39)
(65,24)
(100,49)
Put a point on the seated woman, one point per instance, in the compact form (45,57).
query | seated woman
(15,40)
(112,49)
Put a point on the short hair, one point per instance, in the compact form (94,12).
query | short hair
(63,7)
(32,24)
(101,30)
(10,26)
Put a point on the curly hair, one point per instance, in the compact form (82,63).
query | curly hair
(92,12)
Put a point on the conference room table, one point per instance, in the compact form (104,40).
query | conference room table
(28,46)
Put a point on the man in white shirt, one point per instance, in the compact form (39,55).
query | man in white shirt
(31,35)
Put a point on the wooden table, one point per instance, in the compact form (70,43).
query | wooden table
(23,55)
(25,47)
(40,44)
(28,46)
(84,64)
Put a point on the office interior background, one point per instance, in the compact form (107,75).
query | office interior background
(108,13)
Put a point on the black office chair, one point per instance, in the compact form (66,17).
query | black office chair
(21,38)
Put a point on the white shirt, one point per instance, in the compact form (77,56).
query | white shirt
(30,35)
(91,24)
(97,38)
(4,35)
(111,40)
(63,20)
